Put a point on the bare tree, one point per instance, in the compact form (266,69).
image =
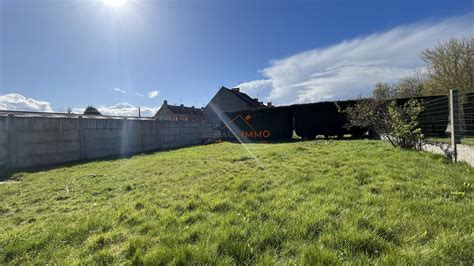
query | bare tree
(408,87)
(450,65)
(397,122)
(383,91)
(411,86)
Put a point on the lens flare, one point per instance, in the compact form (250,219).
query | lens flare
(116,3)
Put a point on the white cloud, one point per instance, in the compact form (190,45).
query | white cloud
(139,94)
(351,68)
(153,94)
(119,90)
(18,102)
(121,109)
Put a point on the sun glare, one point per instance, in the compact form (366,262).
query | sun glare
(115,3)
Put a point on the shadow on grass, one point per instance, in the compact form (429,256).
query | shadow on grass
(293,140)
(8,174)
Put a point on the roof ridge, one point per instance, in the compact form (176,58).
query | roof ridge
(245,97)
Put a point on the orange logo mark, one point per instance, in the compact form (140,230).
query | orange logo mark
(256,134)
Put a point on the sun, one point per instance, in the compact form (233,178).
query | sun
(115,3)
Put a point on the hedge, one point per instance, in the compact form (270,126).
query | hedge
(260,125)
(326,118)
(323,118)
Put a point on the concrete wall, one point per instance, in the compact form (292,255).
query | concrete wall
(39,141)
(4,159)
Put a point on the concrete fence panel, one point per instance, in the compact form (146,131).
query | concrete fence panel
(102,138)
(4,155)
(27,141)
(43,141)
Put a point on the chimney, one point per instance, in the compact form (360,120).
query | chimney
(236,89)
(165,102)
(192,106)
(255,99)
(269,104)
(182,105)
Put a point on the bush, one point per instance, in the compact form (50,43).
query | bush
(397,122)
(405,130)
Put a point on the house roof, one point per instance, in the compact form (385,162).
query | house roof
(245,97)
(184,110)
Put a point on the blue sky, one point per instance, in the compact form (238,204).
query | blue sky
(56,54)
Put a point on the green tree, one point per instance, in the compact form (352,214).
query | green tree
(91,110)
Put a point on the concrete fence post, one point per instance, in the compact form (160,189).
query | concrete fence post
(454,121)
(157,134)
(82,148)
(12,141)
(180,128)
(126,136)
(139,134)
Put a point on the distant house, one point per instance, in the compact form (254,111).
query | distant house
(229,100)
(179,113)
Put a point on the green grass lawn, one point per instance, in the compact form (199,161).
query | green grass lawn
(296,203)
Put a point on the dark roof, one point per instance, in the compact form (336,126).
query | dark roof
(246,98)
(179,109)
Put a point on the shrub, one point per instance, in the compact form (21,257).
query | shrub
(393,120)
(405,130)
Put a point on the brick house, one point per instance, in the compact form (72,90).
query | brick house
(179,113)
(229,100)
